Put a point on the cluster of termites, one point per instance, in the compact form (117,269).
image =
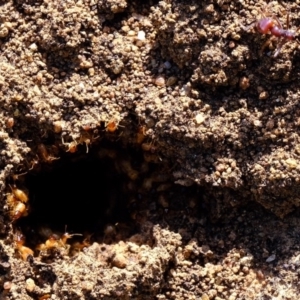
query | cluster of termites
(85,138)
(17,202)
(136,172)
(270,24)
(55,244)
(88,135)
(88,138)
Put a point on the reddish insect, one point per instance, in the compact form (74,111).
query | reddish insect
(272,25)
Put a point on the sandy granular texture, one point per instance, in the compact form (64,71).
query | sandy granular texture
(212,119)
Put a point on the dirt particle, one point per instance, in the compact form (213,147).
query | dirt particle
(7,285)
(244,83)
(200,118)
(263,95)
(119,261)
(30,285)
(160,81)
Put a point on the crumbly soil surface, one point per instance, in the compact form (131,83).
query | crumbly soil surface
(158,145)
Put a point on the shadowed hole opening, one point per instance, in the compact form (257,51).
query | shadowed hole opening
(82,193)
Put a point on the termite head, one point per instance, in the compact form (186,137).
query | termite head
(19,239)
(87,138)
(67,236)
(86,127)
(72,147)
(79,246)
(18,211)
(11,200)
(24,251)
(112,125)
(51,242)
(19,194)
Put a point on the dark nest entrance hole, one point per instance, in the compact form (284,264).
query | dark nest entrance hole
(94,194)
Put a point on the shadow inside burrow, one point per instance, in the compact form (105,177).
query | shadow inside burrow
(79,194)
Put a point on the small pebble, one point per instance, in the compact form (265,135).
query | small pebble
(199,118)
(141,35)
(271,258)
(160,81)
(30,284)
(119,261)
(7,285)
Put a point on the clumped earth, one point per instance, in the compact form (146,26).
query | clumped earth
(157,144)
